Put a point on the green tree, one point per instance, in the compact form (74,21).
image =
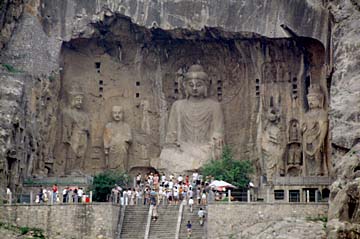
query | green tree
(105,181)
(228,169)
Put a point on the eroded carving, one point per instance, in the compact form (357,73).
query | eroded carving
(293,152)
(314,130)
(271,144)
(117,139)
(76,126)
(195,131)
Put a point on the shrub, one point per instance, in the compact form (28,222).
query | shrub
(24,230)
(228,169)
(105,181)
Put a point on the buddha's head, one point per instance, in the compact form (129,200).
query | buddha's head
(77,97)
(315,97)
(196,82)
(117,113)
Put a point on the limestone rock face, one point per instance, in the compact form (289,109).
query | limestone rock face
(344,118)
(345,89)
(54,39)
(344,214)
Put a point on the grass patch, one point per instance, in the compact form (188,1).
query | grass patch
(317,219)
(10,68)
(322,219)
(34,233)
(51,78)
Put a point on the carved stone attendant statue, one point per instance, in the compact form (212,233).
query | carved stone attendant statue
(294,148)
(314,131)
(117,139)
(195,129)
(75,133)
(271,145)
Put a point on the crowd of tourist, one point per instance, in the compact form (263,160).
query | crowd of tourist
(68,195)
(162,189)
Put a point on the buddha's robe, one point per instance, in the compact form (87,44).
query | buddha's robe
(194,135)
(117,137)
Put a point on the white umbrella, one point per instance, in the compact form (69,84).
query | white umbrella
(221,184)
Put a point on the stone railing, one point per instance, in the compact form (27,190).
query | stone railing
(64,181)
(305,181)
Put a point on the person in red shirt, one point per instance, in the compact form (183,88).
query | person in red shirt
(187,180)
(55,191)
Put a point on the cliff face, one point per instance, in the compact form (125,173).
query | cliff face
(34,34)
(344,220)
(345,88)
(34,31)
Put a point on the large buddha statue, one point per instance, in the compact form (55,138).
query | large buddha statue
(76,125)
(117,140)
(314,130)
(195,131)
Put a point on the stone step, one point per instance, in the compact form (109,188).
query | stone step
(198,231)
(165,226)
(134,224)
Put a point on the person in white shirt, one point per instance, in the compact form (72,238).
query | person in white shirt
(171,184)
(138,180)
(195,177)
(80,193)
(163,178)
(180,179)
(191,203)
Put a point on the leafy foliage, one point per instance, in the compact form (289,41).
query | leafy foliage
(228,169)
(105,181)
(35,233)
(10,68)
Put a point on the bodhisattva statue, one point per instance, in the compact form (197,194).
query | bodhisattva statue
(314,130)
(76,126)
(195,131)
(117,139)
(272,151)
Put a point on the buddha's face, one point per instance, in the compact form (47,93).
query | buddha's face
(117,113)
(313,101)
(78,101)
(196,88)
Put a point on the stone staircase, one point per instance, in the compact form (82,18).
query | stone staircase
(198,232)
(134,224)
(165,226)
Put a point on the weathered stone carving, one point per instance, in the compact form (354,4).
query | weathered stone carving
(314,130)
(293,152)
(117,139)
(195,131)
(76,126)
(271,144)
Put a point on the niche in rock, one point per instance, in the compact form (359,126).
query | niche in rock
(260,83)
